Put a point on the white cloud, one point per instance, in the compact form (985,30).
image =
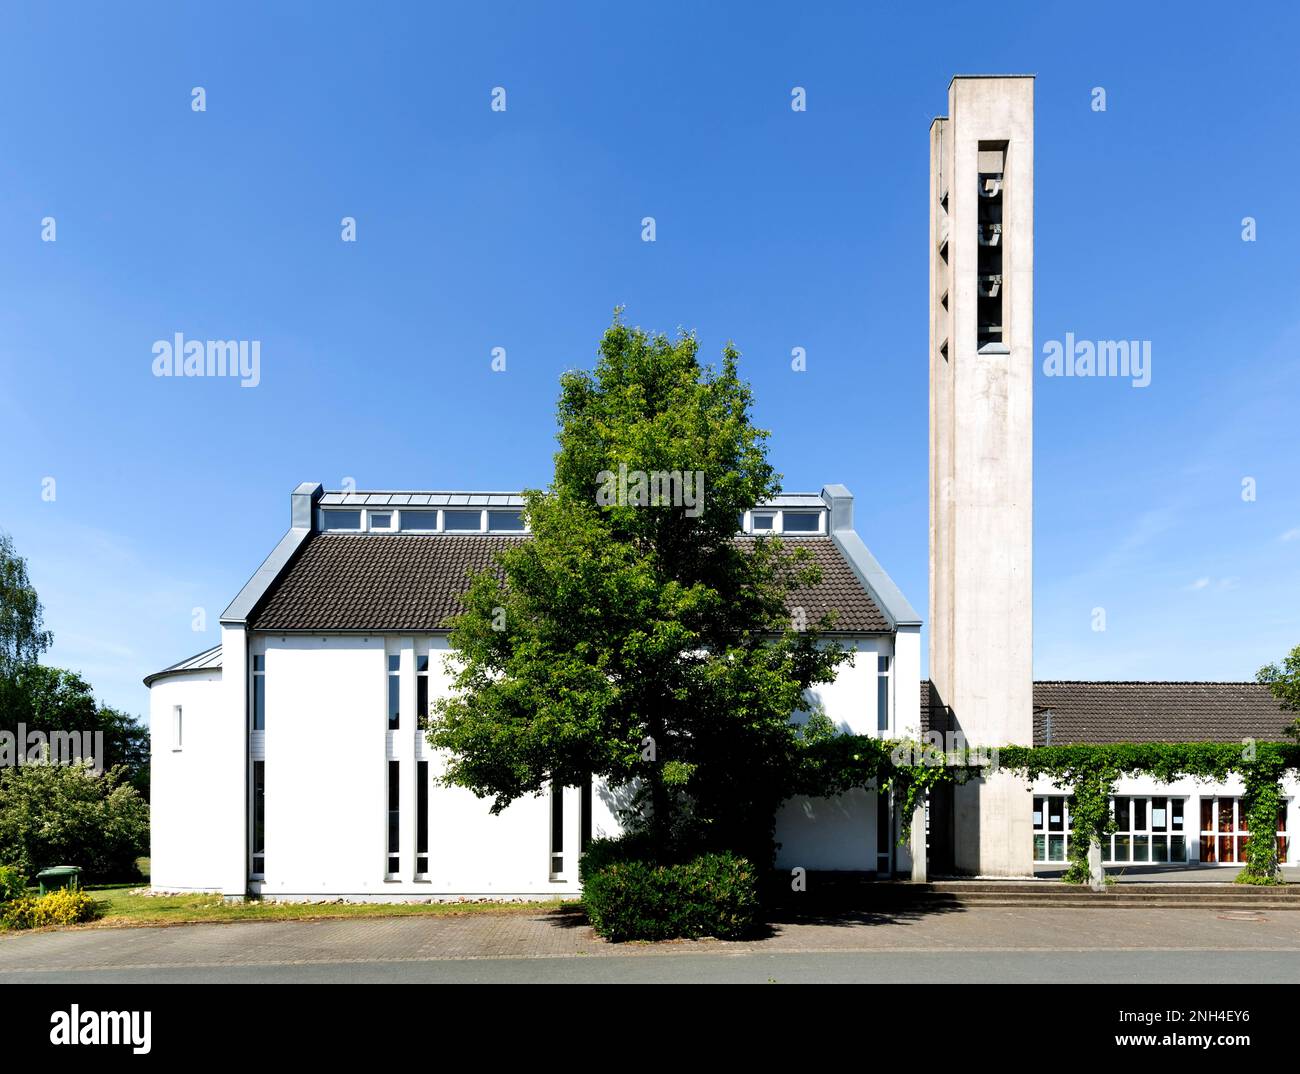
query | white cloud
(1291,535)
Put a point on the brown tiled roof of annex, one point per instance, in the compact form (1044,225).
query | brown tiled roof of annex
(1087,712)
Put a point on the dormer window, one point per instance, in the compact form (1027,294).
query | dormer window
(763,521)
(801,522)
(462,521)
(417,521)
(344,521)
(506,521)
(381,520)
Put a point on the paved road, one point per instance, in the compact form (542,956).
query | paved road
(973,945)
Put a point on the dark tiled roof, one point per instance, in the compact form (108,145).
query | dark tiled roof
(1099,712)
(1095,713)
(396,583)
(390,582)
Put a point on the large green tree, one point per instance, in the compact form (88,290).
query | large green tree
(642,642)
(1284,682)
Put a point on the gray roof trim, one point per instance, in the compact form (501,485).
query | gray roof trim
(208,660)
(255,589)
(888,597)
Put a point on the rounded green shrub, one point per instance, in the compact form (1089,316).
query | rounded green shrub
(709,895)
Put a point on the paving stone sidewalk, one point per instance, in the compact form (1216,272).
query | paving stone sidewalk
(556,935)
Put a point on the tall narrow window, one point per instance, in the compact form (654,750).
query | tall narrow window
(586,814)
(884,839)
(992,165)
(557,830)
(259,818)
(882,693)
(422,818)
(259,693)
(422,691)
(394,692)
(394,818)
(177,727)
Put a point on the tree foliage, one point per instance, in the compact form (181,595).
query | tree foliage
(22,634)
(1283,681)
(644,644)
(67,815)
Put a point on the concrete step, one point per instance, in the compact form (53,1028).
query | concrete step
(867,896)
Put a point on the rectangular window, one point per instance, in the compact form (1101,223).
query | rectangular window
(883,835)
(882,693)
(259,693)
(176,727)
(394,818)
(422,691)
(1146,830)
(506,521)
(394,692)
(763,521)
(259,818)
(801,522)
(1051,828)
(586,814)
(381,520)
(422,818)
(463,521)
(341,520)
(417,521)
(1225,831)
(557,830)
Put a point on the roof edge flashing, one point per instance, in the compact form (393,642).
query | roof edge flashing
(888,597)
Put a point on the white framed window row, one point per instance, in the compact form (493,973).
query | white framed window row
(794,522)
(422,520)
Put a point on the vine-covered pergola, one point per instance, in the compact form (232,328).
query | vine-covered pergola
(908,769)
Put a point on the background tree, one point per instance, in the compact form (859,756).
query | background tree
(643,644)
(53,699)
(66,815)
(22,634)
(1284,682)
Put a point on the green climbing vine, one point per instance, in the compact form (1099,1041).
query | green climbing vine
(910,769)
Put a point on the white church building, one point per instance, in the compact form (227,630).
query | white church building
(289,760)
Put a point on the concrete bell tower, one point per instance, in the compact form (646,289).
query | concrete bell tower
(981,454)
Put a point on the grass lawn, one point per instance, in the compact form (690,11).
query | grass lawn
(120,907)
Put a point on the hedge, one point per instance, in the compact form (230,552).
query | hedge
(710,895)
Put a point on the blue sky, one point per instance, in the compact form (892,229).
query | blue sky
(479,229)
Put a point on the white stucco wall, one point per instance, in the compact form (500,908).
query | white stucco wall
(182,829)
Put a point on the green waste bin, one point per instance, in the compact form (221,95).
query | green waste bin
(59,876)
